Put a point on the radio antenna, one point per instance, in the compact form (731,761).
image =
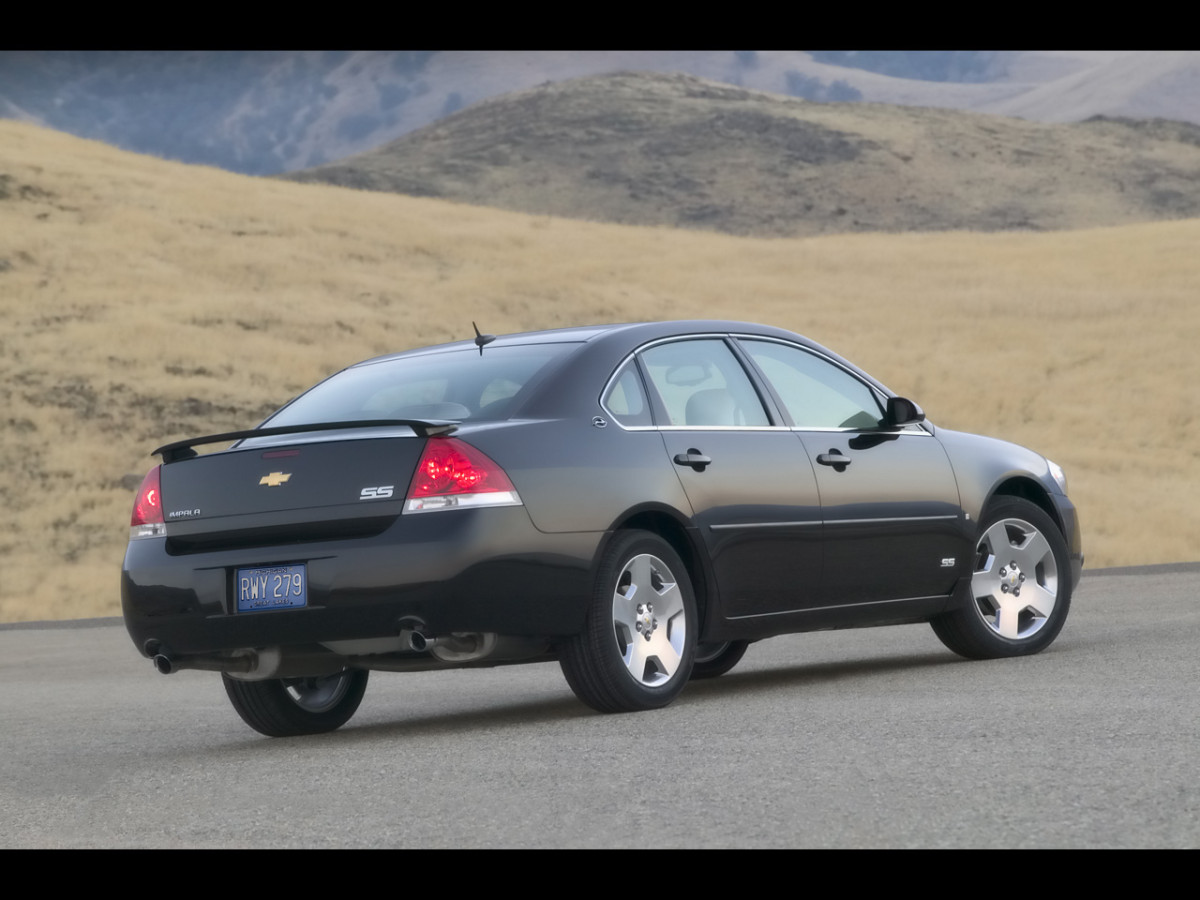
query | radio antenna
(482,340)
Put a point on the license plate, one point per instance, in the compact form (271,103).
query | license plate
(271,587)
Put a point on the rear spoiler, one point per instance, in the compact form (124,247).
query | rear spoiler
(183,449)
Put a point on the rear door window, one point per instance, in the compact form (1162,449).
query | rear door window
(701,384)
(626,398)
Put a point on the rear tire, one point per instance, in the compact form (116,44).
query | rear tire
(287,707)
(635,650)
(1021,589)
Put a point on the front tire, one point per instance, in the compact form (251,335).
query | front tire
(286,707)
(635,650)
(1020,590)
(713,660)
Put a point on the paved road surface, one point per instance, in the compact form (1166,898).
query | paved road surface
(871,738)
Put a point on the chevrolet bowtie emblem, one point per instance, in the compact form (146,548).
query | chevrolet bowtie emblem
(275,479)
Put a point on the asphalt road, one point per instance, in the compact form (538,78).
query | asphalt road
(870,738)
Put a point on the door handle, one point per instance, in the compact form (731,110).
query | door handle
(693,458)
(834,458)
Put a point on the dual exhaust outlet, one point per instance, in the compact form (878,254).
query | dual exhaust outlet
(457,647)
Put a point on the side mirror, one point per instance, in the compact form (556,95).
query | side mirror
(901,411)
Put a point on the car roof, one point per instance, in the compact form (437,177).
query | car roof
(601,347)
(635,332)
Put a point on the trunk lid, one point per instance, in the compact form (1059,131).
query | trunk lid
(309,488)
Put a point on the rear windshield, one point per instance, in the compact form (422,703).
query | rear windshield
(457,384)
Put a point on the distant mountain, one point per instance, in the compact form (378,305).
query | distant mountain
(649,149)
(924,65)
(266,112)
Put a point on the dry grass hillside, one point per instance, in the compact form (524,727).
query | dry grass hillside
(143,301)
(669,149)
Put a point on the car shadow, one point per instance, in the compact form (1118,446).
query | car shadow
(564,708)
(737,682)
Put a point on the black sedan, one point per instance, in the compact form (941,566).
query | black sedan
(639,502)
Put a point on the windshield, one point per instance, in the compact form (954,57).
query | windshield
(458,385)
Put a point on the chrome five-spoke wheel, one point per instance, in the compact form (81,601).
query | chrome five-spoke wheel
(648,620)
(1016,579)
(635,652)
(1020,589)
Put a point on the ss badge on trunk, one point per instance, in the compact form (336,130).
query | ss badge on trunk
(376,493)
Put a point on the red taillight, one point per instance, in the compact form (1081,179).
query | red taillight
(453,474)
(147,508)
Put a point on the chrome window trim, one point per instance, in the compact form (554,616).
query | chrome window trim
(849,371)
(608,386)
(908,431)
(881,396)
(705,335)
(722,428)
(915,430)
(920,428)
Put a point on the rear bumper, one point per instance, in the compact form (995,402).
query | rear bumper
(483,570)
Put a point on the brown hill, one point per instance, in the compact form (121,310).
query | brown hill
(145,301)
(663,149)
